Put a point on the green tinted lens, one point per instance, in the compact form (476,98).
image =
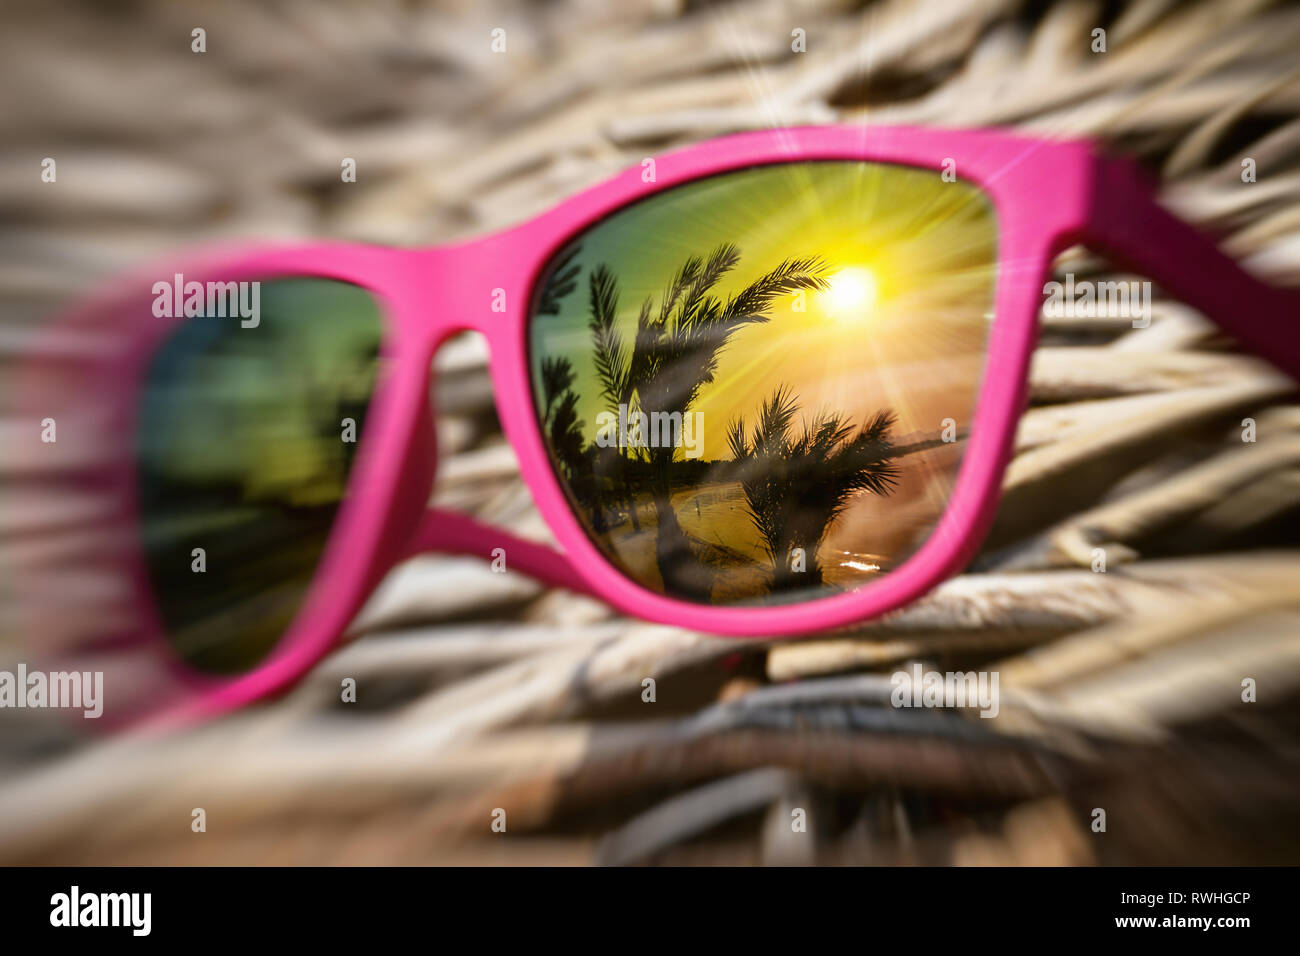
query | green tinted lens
(248,431)
(758,387)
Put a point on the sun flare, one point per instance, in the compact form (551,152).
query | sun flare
(851,294)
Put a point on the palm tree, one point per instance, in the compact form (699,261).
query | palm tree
(797,487)
(560,412)
(673,355)
(563,430)
(562,279)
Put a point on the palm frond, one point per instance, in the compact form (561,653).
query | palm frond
(565,434)
(684,279)
(774,420)
(646,358)
(796,486)
(561,281)
(609,356)
(721,261)
(791,275)
(557,378)
(736,442)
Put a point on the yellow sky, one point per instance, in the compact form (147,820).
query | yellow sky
(911,264)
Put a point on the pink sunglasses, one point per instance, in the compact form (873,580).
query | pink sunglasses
(762,386)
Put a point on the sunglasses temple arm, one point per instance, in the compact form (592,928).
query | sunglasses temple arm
(450,532)
(1129,225)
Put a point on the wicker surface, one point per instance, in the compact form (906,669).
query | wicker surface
(481,691)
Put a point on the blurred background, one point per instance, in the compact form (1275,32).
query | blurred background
(1121,691)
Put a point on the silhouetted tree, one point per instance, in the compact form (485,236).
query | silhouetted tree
(796,487)
(674,354)
(563,429)
(560,282)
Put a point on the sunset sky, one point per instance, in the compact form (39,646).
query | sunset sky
(911,262)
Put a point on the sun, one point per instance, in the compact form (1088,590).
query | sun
(850,294)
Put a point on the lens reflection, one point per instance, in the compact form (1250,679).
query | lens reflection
(247,435)
(758,387)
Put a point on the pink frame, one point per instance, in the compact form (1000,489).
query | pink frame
(1048,195)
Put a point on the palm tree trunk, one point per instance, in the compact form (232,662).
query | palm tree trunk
(682,572)
(786,578)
